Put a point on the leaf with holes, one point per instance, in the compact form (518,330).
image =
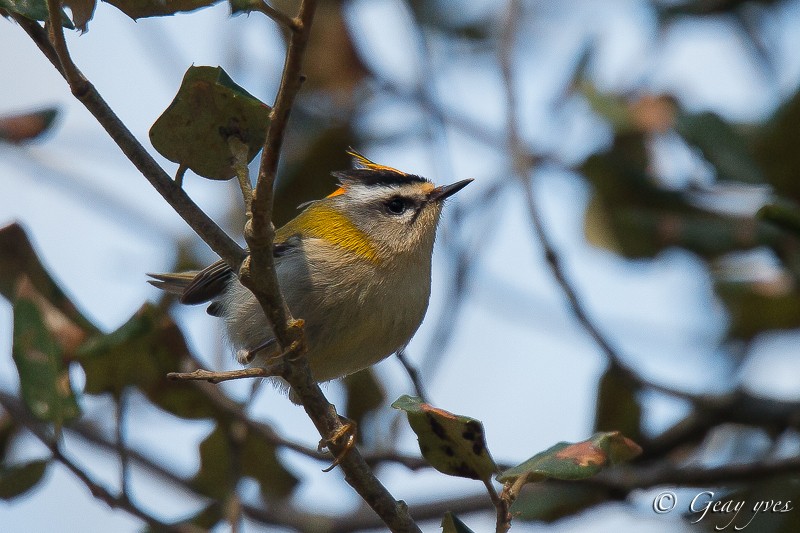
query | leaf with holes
(571,461)
(452,444)
(208,111)
(19,479)
(44,378)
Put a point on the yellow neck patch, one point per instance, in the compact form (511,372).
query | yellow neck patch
(323,222)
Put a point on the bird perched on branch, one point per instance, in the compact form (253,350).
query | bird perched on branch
(355,266)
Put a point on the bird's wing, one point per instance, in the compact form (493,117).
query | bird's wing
(208,284)
(195,287)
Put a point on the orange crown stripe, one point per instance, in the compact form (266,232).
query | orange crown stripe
(371,165)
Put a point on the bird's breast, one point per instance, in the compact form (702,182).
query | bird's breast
(357,312)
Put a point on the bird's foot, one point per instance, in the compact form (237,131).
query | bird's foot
(345,436)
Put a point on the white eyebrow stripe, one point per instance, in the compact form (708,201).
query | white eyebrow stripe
(371,192)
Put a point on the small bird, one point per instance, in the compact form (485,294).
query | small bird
(355,266)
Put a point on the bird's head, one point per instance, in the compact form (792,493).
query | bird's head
(397,213)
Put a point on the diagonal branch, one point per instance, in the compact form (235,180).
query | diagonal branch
(278,16)
(258,274)
(257,270)
(522,161)
(98,491)
(86,93)
(413,375)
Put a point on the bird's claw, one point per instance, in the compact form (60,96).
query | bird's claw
(345,433)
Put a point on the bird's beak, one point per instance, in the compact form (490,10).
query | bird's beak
(445,191)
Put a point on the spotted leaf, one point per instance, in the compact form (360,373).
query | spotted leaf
(452,444)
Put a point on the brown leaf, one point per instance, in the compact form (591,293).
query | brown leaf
(26,126)
(67,334)
(583,454)
(82,12)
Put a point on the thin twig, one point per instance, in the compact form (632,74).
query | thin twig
(219,377)
(522,162)
(257,273)
(239,151)
(278,16)
(122,450)
(180,173)
(56,31)
(236,435)
(86,93)
(97,490)
(501,505)
(413,375)
(235,410)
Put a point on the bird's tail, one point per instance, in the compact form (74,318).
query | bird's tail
(173,283)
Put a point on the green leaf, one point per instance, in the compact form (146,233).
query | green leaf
(644,232)
(8,429)
(82,12)
(617,405)
(26,126)
(776,149)
(578,460)
(44,377)
(549,502)
(207,112)
(19,479)
(260,461)
(18,260)
(307,165)
(452,444)
(34,10)
(255,458)
(141,353)
(754,309)
(721,145)
(137,9)
(244,6)
(452,524)
(214,478)
(364,394)
(785,215)
(609,106)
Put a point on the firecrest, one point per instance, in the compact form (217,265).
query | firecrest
(355,266)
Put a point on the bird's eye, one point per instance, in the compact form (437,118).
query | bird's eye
(396,206)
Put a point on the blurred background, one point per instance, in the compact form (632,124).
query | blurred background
(607,270)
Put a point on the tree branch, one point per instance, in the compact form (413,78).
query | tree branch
(39,430)
(522,161)
(278,16)
(219,377)
(86,93)
(413,375)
